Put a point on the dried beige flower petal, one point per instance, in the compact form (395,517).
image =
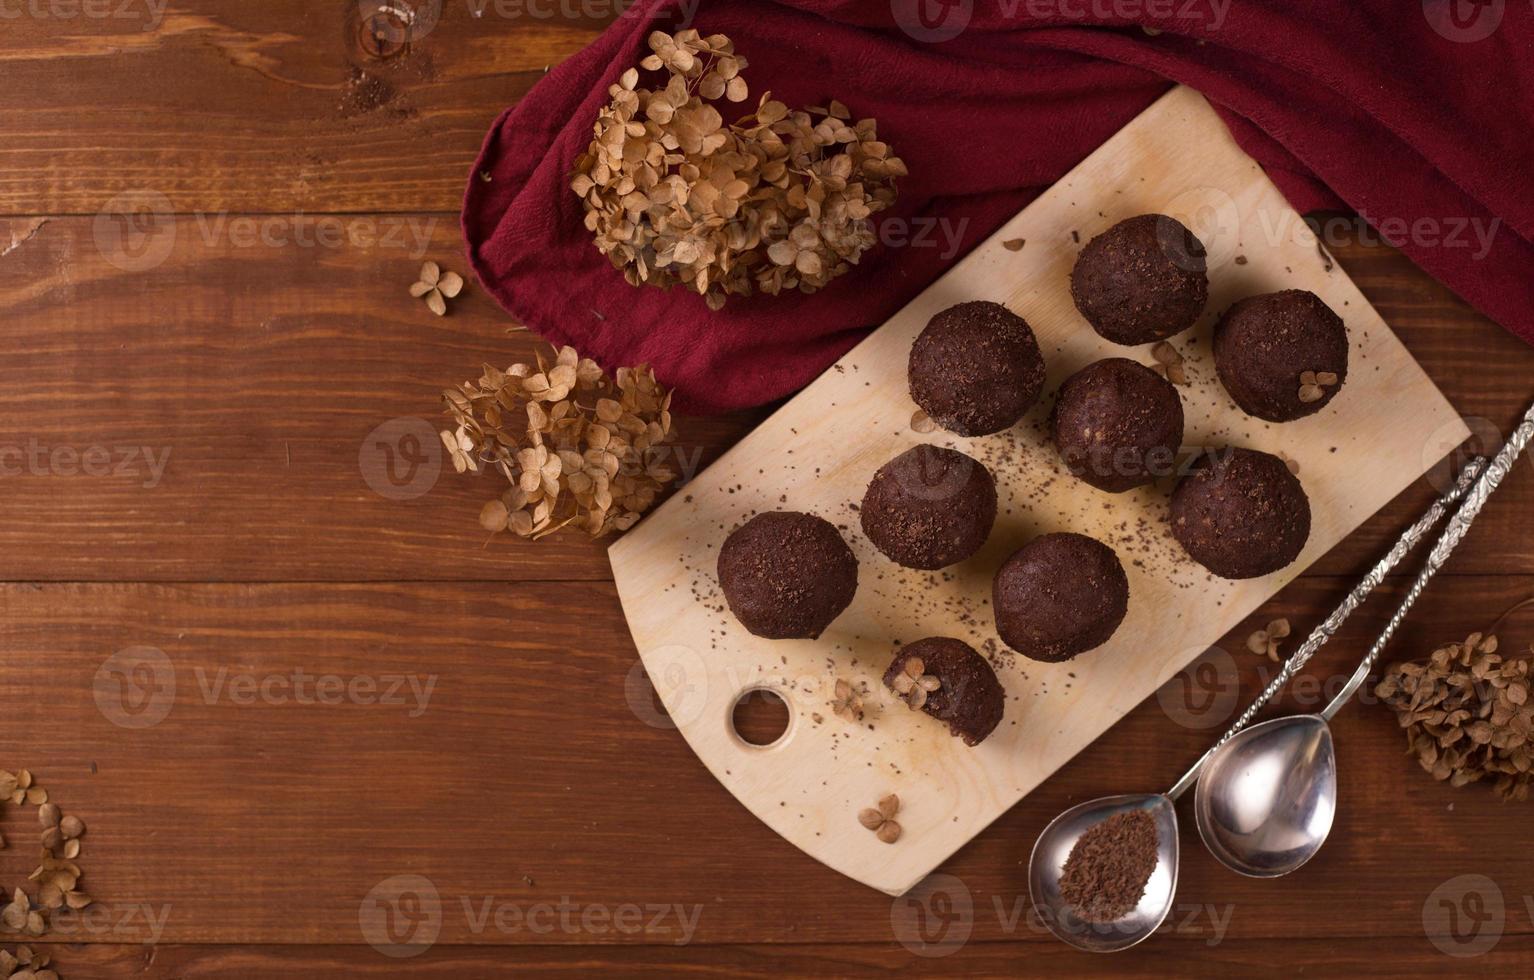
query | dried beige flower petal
(881,820)
(436,287)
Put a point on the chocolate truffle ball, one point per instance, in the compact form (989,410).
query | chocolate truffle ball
(952,683)
(976,368)
(1117,424)
(1142,280)
(787,575)
(1241,514)
(1282,356)
(929,507)
(1060,595)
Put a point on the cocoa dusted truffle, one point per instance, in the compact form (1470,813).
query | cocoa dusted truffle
(1142,280)
(929,507)
(1117,424)
(948,680)
(1241,514)
(1282,356)
(787,575)
(976,368)
(1060,595)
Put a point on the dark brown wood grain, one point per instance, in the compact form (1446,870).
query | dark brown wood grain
(537,772)
(211,220)
(227,105)
(1170,955)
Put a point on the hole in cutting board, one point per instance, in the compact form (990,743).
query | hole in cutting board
(760,717)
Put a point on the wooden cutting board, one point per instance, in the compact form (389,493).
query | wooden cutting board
(817,454)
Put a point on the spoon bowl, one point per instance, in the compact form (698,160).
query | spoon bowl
(1267,797)
(1048,862)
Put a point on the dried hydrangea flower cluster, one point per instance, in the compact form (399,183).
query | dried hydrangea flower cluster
(778,200)
(578,448)
(1467,714)
(57,877)
(26,964)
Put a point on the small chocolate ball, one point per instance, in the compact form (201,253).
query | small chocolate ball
(976,368)
(1241,514)
(1060,595)
(1282,356)
(929,507)
(967,696)
(1117,424)
(1142,280)
(787,575)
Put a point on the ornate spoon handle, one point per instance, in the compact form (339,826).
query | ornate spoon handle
(1328,629)
(1452,536)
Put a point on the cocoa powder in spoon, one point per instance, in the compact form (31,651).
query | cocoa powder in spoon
(1106,872)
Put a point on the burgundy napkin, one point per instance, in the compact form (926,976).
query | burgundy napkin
(1417,115)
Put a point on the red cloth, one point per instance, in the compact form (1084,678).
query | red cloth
(1393,107)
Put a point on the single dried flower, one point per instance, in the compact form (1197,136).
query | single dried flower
(777,200)
(577,449)
(1265,641)
(1170,364)
(914,684)
(437,287)
(881,820)
(847,703)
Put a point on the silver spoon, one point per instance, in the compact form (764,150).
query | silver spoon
(1055,843)
(1267,796)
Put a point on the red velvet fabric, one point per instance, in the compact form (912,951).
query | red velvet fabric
(1417,114)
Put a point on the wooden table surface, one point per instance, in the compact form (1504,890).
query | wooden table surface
(365,694)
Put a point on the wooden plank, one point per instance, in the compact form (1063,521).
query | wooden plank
(1182,956)
(539,755)
(1353,458)
(229,402)
(225,105)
